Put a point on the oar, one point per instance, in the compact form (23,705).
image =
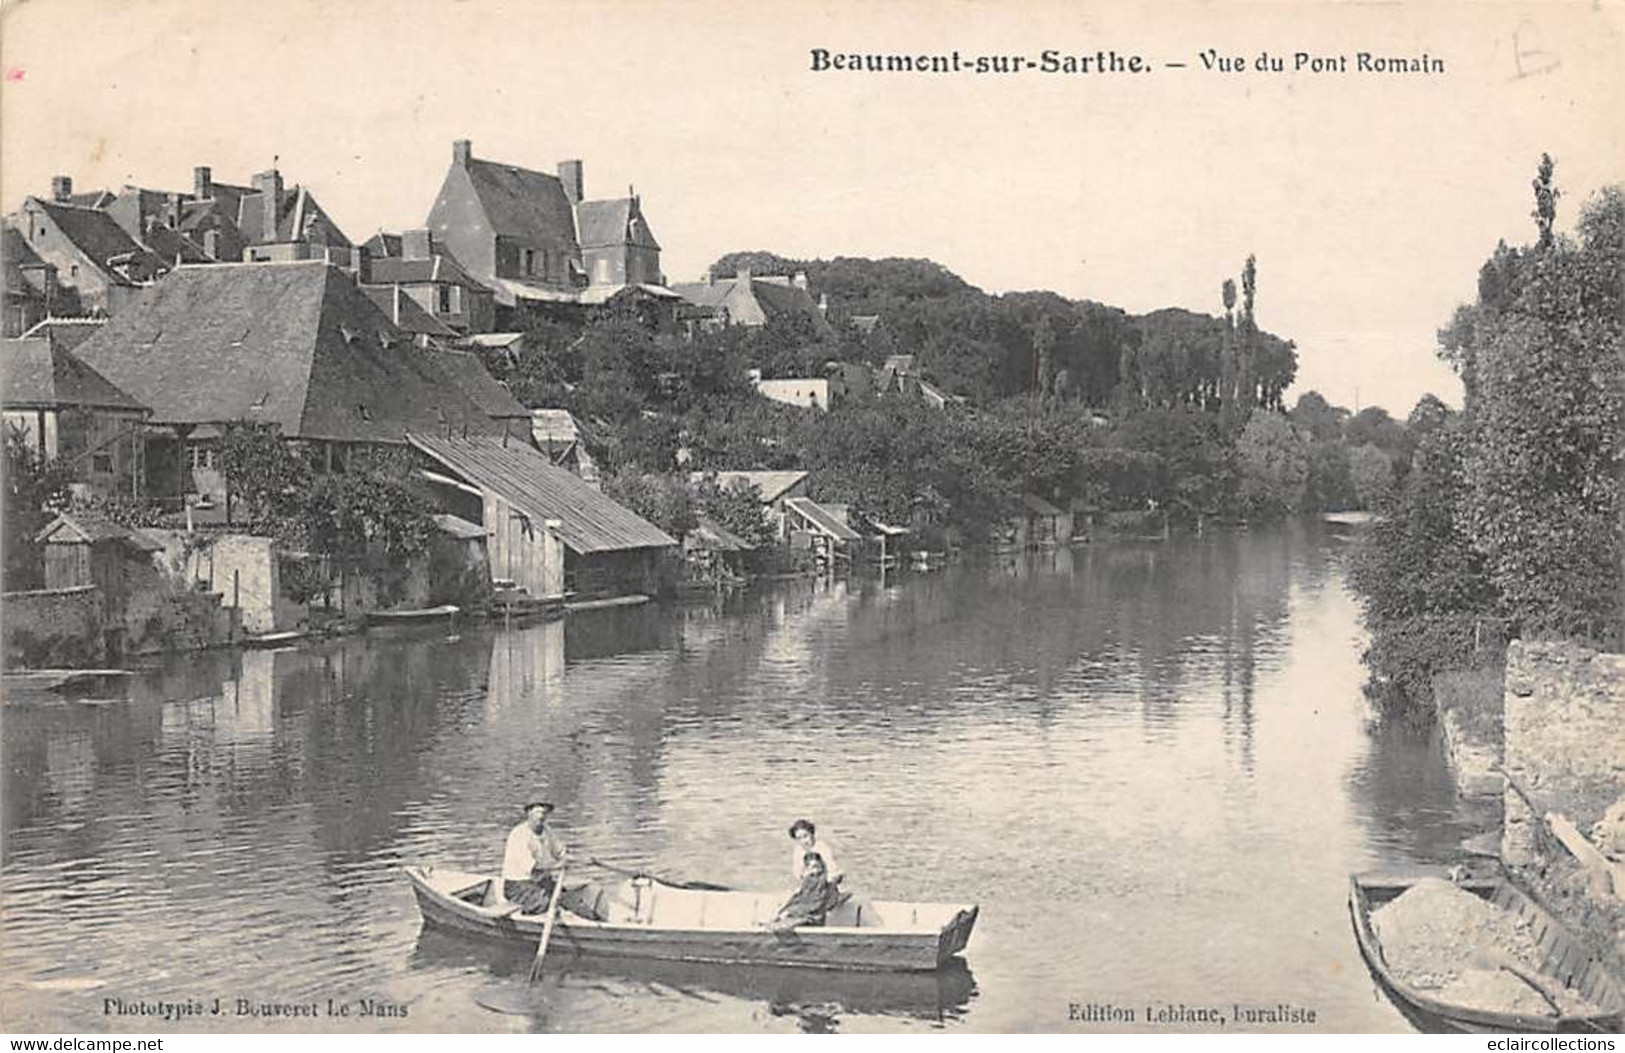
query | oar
(693,886)
(547,928)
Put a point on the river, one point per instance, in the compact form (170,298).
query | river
(1149,763)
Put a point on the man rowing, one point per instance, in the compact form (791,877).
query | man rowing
(532,861)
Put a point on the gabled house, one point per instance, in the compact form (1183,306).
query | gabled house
(746,299)
(297,346)
(69,413)
(533,237)
(415,265)
(92,255)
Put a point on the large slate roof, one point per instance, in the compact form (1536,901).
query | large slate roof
(603,223)
(297,345)
(41,374)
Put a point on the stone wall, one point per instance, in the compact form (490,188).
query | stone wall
(54,627)
(1565,739)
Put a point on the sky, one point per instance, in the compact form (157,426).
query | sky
(1369,199)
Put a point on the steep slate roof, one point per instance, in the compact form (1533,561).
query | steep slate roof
(296,206)
(822,518)
(41,374)
(475,381)
(590,522)
(603,223)
(771,485)
(383,245)
(291,344)
(520,202)
(95,234)
(784,299)
(15,249)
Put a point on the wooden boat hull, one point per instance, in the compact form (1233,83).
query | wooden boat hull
(459,901)
(1564,960)
(413,617)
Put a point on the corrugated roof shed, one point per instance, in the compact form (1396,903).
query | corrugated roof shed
(822,518)
(42,374)
(291,344)
(522,474)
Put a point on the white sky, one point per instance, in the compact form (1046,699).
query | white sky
(1369,200)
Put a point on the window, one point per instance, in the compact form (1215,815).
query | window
(456,292)
(101,463)
(444,299)
(200,457)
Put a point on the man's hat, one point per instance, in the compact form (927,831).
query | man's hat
(545,806)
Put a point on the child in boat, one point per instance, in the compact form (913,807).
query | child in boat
(805,840)
(813,901)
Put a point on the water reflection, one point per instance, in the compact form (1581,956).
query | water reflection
(1122,751)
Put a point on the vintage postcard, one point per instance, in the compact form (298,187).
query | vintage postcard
(663,516)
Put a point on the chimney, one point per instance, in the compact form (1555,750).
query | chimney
(61,188)
(570,174)
(395,305)
(462,152)
(172,210)
(202,183)
(363,264)
(415,244)
(269,185)
(800,280)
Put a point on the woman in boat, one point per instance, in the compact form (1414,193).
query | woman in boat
(804,836)
(812,902)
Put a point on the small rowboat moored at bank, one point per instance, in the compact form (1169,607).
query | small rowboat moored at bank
(1564,963)
(651,919)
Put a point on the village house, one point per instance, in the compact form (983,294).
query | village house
(413,263)
(547,532)
(899,376)
(749,300)
(535,239)
(806,392)
(97,267)
(296,346)
(69,413)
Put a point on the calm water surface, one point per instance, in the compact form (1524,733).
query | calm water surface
(1149,763)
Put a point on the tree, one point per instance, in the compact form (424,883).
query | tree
(1371,472)
(1318,419)
(1274,466)
(663,499)
(36,489)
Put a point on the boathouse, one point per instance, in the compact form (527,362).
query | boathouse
(547,532)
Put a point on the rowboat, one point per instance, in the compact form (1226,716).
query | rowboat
(413,617)
(653,919)
(1564,960)
(935,996)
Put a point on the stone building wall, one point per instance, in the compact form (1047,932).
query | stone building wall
(54,627)
(1565,739)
